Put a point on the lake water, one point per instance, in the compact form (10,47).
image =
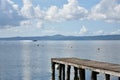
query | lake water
(27,60)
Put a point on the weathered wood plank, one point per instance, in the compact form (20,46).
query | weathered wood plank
(102,67)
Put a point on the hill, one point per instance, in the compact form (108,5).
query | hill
(62,37)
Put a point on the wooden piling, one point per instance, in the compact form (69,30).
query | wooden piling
(82,74)
(76,73)
(68,72)
(60,72)
(63,68)
(107,77)
(53,70)
(94,75)
(118,78)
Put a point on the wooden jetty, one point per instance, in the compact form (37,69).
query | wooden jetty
(80,65)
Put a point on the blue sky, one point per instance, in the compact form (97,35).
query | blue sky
(66,17)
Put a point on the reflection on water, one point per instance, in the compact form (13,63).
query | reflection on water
(27,60)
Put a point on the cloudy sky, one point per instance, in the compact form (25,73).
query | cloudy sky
(66,17)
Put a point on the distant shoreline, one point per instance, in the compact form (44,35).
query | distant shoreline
(62,37)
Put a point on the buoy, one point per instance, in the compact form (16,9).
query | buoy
(98,48)
(37,44)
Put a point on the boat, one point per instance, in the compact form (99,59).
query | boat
(35,40)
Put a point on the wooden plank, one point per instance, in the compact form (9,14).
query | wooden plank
(102,67)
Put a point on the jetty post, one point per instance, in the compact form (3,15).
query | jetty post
(68,72)
(76,73)
(82,74)
(118,78)
(94,75)
(107,76)
(53,70)
(60,72)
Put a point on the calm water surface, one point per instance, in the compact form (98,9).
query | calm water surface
(27,60)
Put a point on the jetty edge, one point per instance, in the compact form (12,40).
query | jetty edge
(80,65)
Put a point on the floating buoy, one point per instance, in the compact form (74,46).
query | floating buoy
(98,48)
(37,44)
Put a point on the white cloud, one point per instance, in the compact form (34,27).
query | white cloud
(52,13)
(39,24)
(83,30)
(108,10)
(39,13)
(9,14)
(100,32)
(25,23)
(72,10)
(50,31)
(27,9)
(116,32)
(34,23)
(12,15)
(15,6)
(69,11)
(31,12)
(34,14)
